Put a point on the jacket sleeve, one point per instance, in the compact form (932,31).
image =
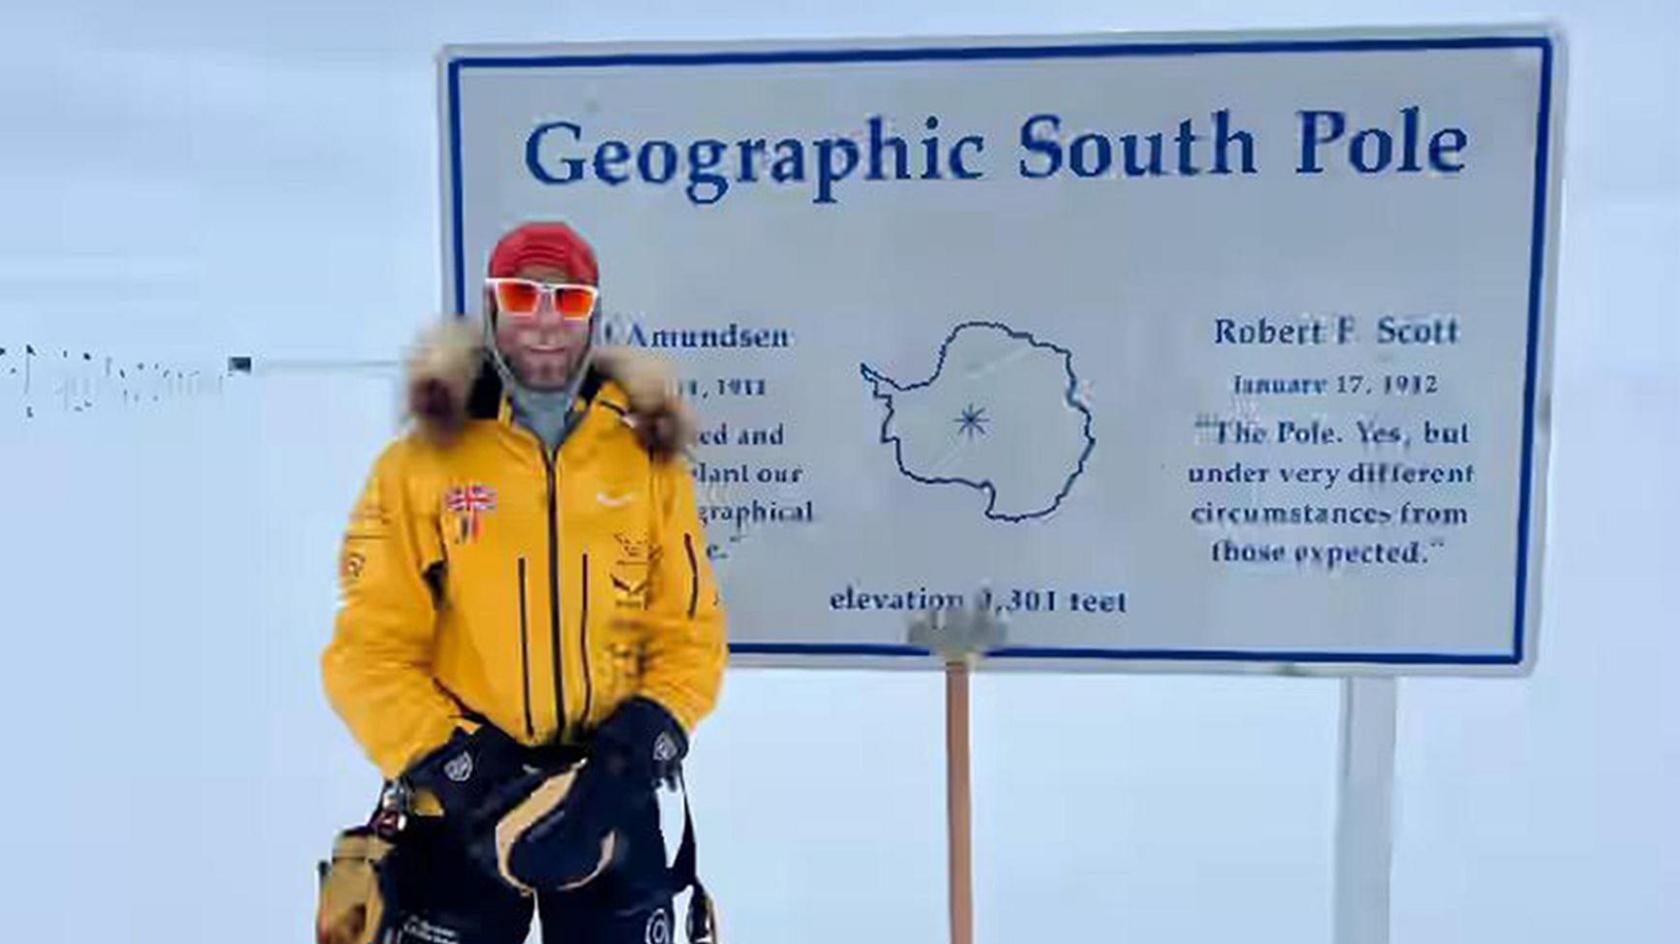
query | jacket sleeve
(377,669)
(685,651)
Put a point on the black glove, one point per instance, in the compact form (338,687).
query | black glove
(632,751)
(640,743)
(475,777)
(502,800)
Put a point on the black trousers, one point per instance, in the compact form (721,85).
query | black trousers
(441,897)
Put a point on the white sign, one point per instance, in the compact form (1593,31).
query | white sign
(1195,352)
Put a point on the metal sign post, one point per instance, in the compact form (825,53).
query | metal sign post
(1365,810)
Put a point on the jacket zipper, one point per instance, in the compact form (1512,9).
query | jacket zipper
(551,461)
(583,623)
(693,575)
(525,650)
(554,596)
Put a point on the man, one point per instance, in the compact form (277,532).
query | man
(529,629)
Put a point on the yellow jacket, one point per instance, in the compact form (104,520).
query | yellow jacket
(479,573)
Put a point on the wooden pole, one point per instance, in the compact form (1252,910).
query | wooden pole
(960,832)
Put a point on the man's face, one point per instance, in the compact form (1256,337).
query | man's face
(543,348)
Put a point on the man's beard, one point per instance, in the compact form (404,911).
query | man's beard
(516,376)
(549,374)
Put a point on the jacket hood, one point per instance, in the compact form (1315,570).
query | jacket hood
(450,380)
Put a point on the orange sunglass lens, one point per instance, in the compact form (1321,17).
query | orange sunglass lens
(517,298)
(574,303)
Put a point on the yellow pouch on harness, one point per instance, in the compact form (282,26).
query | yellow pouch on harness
(352,908)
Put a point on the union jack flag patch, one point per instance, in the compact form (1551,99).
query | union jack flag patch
(470,503)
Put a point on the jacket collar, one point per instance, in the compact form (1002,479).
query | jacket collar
(451,380)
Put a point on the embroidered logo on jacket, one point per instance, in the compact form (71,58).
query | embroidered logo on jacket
(630,571)
(469,504)
(351,566)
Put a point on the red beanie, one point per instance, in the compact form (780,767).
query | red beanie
(549,244)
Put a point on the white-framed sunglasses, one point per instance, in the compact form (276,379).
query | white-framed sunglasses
(521,298)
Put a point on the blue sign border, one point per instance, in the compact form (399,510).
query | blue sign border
(1536,282)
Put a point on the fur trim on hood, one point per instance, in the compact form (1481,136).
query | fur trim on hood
(450,380)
